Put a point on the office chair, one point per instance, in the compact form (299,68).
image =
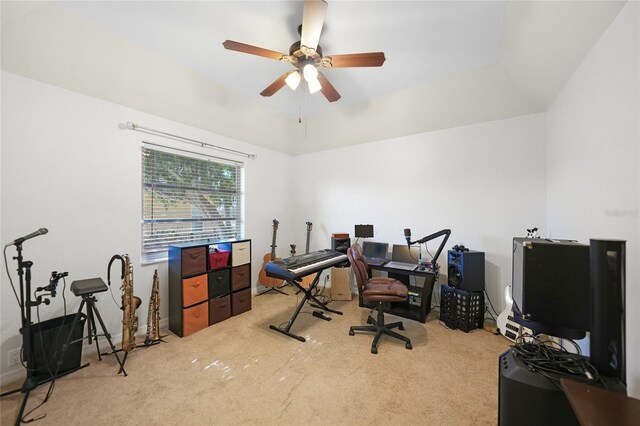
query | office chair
(379,290)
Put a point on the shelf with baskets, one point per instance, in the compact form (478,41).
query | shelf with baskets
(208,283)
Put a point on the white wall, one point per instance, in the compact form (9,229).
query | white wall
(593,159)
(486,182)
(68,166)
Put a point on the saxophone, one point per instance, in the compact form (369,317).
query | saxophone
(129,303)
(153,318)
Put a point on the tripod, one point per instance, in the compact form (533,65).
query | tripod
(86,289)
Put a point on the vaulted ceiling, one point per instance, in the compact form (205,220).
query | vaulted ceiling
(448,63)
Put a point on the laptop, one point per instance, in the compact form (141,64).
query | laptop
(403,257)
(375,253)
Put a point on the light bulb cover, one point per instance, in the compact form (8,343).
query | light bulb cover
(314,86)
(310,72)
(293,80)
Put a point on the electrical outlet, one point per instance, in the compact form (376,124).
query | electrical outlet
(14,357)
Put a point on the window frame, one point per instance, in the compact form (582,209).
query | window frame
(150,256)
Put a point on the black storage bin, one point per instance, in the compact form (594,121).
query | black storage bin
(47,341)
(219,283)
(461,309)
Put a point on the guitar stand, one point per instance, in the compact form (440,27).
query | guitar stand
(308,294)
(276,289)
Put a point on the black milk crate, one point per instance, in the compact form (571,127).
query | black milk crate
(461,309)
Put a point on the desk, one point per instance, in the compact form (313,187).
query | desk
(422,295)
(595,406)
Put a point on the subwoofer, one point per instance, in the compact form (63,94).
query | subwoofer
(466,270)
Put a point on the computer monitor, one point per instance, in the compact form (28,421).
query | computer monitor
(373,249)
(401,253)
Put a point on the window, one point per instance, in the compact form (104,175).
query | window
(185,199)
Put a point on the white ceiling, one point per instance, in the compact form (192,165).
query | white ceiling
(448,63)
(422,41)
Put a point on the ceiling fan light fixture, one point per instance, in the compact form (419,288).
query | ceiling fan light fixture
(310,73)
(314,85)
(293,80)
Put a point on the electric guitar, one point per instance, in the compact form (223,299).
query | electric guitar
(306,281)
(507,326)
(262,276)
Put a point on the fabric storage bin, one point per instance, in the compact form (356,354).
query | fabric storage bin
(241,302)
(194,290)
(219,283)
(218,259)
(240,277)
(194,261)
(195,318)
(241,253)
(219,309)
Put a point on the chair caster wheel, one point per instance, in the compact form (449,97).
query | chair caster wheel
(352,333)
(401,327)
(408,346)
(374,350)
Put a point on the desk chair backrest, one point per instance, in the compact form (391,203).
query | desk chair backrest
(358,264)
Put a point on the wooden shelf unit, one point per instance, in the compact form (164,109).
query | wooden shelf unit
(206,288)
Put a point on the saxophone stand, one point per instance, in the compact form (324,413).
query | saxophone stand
(148,341)
(86,289)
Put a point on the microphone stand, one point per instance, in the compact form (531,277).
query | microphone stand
(32,380)
(445,232)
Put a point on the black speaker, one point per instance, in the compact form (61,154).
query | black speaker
(340,244)
(526,397)
(607,324)
(551,286)
(466,270)
(47,342)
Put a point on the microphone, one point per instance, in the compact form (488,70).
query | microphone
(17,241)
(407,235)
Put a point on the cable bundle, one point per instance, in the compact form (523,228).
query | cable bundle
(553,361)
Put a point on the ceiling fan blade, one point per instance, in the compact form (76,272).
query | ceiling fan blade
(373,59)
(276,85)
(328,90)
(254,50)
(312,21)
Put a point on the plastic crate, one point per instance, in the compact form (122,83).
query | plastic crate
(460,309)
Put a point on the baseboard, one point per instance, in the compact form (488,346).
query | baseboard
(18,374)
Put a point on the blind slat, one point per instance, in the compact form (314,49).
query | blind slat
(187,199)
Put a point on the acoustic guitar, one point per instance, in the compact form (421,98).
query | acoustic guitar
(262,276)
(306,281)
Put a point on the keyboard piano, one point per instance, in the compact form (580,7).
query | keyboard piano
(296,267)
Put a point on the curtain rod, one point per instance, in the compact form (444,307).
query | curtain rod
(171,148)
(133,126)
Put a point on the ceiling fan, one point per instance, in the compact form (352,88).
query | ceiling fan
(306,55)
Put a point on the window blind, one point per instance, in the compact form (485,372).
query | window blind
(188,199)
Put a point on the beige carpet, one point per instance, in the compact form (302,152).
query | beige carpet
(241,372)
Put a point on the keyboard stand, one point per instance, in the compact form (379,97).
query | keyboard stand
(308,294)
